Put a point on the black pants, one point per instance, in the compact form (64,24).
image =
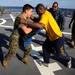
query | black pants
(58,45)
(73,32)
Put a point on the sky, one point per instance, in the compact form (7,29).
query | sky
(62,3)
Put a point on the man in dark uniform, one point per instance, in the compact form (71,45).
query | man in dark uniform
(19,30)
(73,29)
(58,15)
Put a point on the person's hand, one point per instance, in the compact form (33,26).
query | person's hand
(22,21)
(69,26)
(32,17)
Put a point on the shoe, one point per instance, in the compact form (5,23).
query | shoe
(25,60)
(40,63)
(69,64)
(46,64)
(5,63)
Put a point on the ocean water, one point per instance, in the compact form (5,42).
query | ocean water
(67,12)
(12,9)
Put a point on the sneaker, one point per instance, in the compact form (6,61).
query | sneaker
(40,63)
(46,64)
(69,64)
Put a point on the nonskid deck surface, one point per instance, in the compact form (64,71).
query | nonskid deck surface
(16,67)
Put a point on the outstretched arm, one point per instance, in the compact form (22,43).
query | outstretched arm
(32,24)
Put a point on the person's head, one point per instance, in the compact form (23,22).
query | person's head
(40,9)
(47,7)
(55,6)
(27,9)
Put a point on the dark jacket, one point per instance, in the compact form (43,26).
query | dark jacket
(59,17)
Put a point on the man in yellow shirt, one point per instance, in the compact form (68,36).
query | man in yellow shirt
(54,35)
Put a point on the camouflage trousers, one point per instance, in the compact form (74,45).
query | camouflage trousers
(13,48)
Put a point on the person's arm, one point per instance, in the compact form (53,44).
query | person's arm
(26,30)
(41,24)
(62,20)
(71,21)
(32,24)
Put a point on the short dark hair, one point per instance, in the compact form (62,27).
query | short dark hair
(55,3)
(39,5)
(26,7)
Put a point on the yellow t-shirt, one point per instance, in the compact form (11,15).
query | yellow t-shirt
(50,25)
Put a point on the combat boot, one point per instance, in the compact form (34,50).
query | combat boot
(25,60)
(5,63)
